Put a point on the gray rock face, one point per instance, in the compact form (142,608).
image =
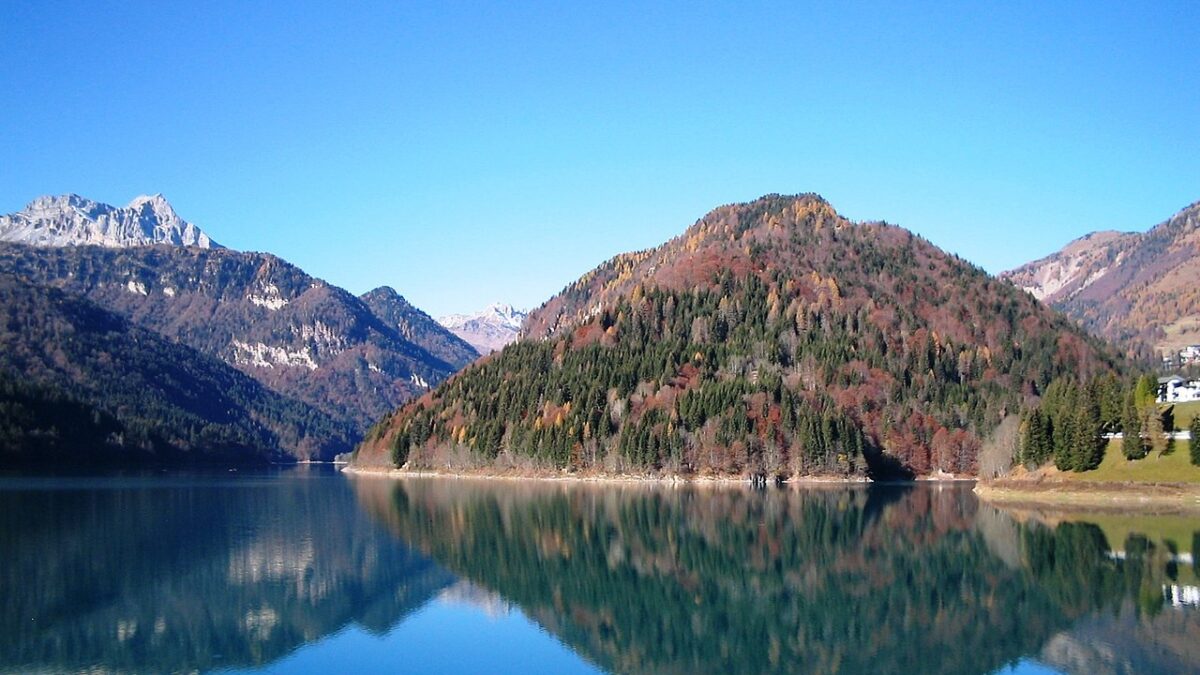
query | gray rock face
(71,220)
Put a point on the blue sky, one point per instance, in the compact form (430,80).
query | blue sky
(471,152)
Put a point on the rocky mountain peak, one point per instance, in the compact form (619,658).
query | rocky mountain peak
(488,330)
(72,220)
(505,313)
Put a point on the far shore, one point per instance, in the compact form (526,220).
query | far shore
(626,478)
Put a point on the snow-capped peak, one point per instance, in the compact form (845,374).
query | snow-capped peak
(71,220)
(487,330)
(156,202)
(505,313)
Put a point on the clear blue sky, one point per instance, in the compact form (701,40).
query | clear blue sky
(470,152)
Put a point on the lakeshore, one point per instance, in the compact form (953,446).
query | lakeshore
(1025,492)
(1091,496)
(597,477)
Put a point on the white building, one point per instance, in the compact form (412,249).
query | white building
(1178,390)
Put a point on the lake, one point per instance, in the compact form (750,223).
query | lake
(306,570)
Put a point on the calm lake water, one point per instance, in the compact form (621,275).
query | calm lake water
(306,570)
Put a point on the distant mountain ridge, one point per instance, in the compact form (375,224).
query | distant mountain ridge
(1133,287)
(298,335)
(71,220)
(489,329)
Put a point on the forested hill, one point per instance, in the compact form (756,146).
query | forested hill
(80,385)
(774,336)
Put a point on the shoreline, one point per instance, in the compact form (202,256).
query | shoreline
(626,479)
(1078,495)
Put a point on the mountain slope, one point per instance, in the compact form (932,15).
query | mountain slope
(71,220)
(418,327)
(299,335)
(488,330)
(1127,287)
(1062,275)
(774,336)
(81,384)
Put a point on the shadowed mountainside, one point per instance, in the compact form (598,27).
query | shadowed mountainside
(81,385)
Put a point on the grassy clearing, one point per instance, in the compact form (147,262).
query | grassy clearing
(1184,412)
(1173,467)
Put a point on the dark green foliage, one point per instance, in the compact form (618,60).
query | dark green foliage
(1067,426)
(41,421)
(1194,441)
(1037,445)
(1069,423)
(1133,446)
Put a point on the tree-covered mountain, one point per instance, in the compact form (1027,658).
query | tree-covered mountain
(418,327)
(1130,287)
(299,335)
(774,336)
(80,384)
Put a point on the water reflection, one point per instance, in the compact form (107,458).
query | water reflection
(185,574)
(200,573)
(877,579)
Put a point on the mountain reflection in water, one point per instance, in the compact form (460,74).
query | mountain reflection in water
(153,574)
(202,572)
(839,579)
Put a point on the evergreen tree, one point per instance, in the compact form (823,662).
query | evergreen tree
(1132,444)
(1065,442)
(1037,439)
(1194,448)
(1089,444)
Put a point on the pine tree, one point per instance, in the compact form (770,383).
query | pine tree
(1037,439)
(1194,447)
(1132,445)
(1089,445)
(1065,442)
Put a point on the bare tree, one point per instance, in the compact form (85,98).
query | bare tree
(999,452)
